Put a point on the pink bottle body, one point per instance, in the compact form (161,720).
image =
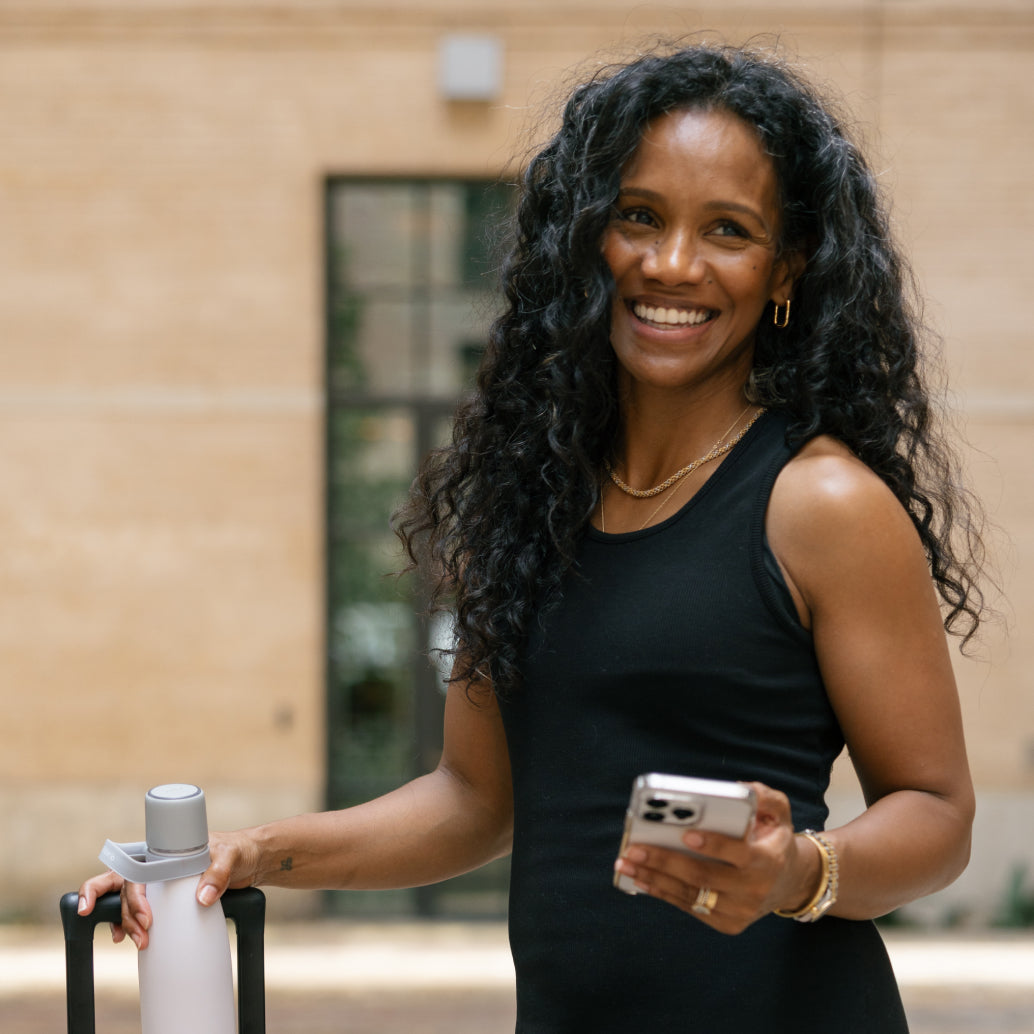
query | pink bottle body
(186,976)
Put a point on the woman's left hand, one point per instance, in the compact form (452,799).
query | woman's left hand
(766,870)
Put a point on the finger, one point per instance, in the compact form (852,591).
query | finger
(134,896)
(711,857)
(702,901)
(215,880)
(96,887)
(722,910)
(773,810)
(677,878)
(717,847)
(136,914)
(209,891)
(672,873)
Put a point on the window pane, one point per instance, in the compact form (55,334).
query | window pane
(458,330)
(389,332)
(376,228)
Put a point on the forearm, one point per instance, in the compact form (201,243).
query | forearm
(908,844)
(428,830)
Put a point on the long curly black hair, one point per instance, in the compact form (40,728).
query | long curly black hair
(496,516)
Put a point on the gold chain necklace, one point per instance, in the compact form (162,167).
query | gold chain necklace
(718,450)
(647,493)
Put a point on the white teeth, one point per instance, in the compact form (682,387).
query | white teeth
(671,317)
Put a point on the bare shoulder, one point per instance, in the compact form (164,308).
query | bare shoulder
(832,522)
(826,486)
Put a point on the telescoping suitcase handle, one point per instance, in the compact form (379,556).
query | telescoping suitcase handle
(247,909)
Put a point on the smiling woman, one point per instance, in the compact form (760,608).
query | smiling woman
(682,535)
(688,532)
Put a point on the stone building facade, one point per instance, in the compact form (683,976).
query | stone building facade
(163,168)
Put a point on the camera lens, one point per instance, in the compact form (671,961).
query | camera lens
(685,814)
(653,816)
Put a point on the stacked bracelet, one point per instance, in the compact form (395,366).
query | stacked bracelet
(826,894)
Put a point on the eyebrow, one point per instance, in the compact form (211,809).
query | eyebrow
(734,206)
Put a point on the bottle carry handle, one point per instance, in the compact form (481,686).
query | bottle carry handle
(245,907)
(135,863)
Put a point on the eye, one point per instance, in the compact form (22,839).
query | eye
(728,228)
(637,214)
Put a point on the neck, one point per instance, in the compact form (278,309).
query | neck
(629,499)
(659,439)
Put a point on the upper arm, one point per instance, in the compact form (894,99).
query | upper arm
(858,572)
(475,753)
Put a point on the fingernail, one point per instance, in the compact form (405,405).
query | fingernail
(207,894)
(636,854)
(135,938)
(82,906)
(143,920)
(693,840)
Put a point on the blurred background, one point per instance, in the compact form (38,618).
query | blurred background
(246,255)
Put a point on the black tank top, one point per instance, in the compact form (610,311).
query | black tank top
(675,649)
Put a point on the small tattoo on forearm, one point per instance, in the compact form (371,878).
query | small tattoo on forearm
(286,865)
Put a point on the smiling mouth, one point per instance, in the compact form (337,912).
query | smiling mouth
(661,316)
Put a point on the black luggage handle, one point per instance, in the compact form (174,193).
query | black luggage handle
(247,909)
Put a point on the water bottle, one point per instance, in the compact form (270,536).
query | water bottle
(186,979)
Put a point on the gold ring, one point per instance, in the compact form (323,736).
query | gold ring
(706,901)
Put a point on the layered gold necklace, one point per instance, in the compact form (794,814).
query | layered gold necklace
(720,448)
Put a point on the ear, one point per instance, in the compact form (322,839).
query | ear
(785,274)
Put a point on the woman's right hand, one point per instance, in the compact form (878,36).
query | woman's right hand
(232,866)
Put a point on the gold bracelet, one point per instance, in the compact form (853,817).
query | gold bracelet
(826,894)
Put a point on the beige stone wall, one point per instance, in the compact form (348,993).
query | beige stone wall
(161,172)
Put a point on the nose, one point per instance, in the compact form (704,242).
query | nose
(674,258)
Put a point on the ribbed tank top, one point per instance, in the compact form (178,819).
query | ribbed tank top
(673,649)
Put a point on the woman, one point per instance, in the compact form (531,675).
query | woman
(688,524)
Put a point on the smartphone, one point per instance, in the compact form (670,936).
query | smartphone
(663,807)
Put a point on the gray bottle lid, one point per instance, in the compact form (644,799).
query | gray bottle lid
(175,819)
(177,837)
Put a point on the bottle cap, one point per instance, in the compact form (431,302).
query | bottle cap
(175,819)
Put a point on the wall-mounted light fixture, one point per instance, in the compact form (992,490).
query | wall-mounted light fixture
(470,67)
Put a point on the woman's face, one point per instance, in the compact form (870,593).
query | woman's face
(692,248)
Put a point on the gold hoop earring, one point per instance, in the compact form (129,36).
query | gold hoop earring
(781,324)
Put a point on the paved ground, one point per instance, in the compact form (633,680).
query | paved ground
(456,978)
(470,1012)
